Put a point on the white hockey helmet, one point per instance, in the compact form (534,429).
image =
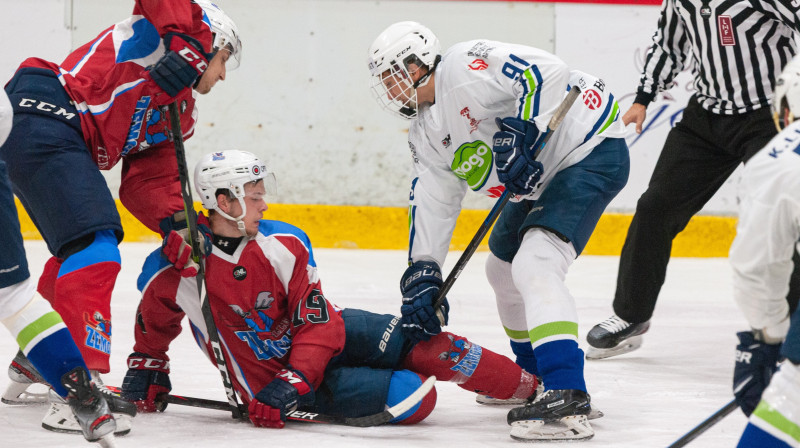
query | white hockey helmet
(230,170)
(226,34)
(786,104)
(389,57)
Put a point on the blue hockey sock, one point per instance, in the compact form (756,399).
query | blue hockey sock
(525,357)
(45,341)
(561,365)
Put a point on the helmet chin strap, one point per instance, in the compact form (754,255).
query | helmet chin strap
(238,220)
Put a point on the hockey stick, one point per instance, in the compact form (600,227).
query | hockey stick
(494,213)
(191,224)
(313,417)
(707,423)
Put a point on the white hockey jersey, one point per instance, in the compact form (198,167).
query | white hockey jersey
(768,229)
(451,140)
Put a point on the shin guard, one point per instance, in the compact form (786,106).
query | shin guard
(83,297)
(453,358)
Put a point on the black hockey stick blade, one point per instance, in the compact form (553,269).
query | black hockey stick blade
(707,423)
(313,417)
(552,125)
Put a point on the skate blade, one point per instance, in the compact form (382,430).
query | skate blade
(107,441)
(18,394)
(626,346)
(573,428)
(491,401)
(61,419)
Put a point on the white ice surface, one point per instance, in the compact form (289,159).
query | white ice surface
(650,397)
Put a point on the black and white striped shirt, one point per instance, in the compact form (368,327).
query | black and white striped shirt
(735,48)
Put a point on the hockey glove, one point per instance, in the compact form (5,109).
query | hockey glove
(755,364)
(420,286)
(176,247)
(288,390)
(184,61)
(147,378)
(513,146)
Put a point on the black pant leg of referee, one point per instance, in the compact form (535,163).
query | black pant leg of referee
(700,153)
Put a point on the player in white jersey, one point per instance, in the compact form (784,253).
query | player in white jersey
(761,257)
(454,99)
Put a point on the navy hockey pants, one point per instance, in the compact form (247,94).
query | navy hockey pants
(357,380)
(49,165)
(570,205)
(13,264)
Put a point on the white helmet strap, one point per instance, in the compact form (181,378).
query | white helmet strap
(238,220)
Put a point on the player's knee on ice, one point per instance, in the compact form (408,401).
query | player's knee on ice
(403,384)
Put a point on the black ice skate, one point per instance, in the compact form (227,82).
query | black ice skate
(88,407)
(26,386)
(60,416)
(614,336)
(555,415)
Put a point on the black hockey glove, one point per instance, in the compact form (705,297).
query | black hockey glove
(755,364)
(420,286)
(285,393)
(513,147)
(184,61)
(176,247)
(147,378)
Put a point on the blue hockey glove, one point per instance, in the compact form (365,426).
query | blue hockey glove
(513,146)
(184,61)
(420,286)
(146,379)
(176,247)
(755,364)
(285,393)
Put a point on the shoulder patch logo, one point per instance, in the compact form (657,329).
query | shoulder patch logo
(239,273)
(592,99)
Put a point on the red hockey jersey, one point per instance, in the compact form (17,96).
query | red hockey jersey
(119,104)
(267,303)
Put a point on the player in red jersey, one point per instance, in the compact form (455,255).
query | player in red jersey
(285,343)
(106,102)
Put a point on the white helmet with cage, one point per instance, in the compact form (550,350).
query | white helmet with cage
(395,49)
(230,170)
(786,104)
(226,34)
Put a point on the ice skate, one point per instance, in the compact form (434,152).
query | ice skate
(556,415)
(60,418)
(85,410)
(594,413)
(614,336)
(26,386)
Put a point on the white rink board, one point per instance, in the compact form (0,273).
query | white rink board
(300,98)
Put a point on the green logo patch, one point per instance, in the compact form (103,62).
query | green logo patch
(473,163)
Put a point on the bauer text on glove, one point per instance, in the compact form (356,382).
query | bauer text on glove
(420,286)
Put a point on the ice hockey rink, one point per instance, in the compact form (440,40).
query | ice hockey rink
(650,397)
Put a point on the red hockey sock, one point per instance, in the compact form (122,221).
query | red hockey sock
(83,298)
(474,368)
(47,281)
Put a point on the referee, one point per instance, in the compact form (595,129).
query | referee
(736,50)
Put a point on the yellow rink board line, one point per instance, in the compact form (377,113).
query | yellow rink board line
(361,227)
